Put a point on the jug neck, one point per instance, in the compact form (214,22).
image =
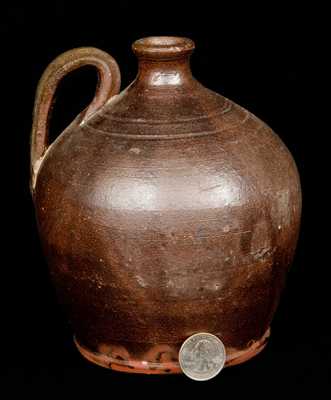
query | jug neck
(163,61)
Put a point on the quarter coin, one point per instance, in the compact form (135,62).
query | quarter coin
(202,356)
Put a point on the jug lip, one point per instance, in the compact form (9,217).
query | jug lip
(163,47)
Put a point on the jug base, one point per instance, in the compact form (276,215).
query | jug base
(170,365)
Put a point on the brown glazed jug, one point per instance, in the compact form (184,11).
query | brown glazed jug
(164,210)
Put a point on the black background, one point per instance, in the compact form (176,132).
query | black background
(257,59)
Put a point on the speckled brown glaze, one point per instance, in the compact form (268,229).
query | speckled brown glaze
(164,211)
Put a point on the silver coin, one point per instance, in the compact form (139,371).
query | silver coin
(202,356)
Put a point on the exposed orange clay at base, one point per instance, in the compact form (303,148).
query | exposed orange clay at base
(233,357)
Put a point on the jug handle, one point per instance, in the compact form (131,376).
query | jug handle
(109,81)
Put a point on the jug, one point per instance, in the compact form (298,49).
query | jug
(164,210)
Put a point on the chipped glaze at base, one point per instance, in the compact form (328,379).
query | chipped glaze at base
(161,358)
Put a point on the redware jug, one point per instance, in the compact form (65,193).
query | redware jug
(164,211)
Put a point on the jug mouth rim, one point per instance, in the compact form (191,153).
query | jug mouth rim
(163,47)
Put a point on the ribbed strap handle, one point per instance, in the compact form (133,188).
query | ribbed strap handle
(109,80)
